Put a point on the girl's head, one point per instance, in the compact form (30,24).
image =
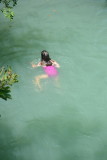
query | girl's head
(45,56)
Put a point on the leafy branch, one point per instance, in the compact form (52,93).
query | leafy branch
(7,79)
(7,9)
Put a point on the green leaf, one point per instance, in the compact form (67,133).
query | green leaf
(7,79)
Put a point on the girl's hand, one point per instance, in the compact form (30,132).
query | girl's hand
(33,65)
(36,65)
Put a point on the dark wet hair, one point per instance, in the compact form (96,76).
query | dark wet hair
(45,56)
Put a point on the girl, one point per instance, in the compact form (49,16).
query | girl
(49,67)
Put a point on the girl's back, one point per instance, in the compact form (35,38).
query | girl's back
(50,70)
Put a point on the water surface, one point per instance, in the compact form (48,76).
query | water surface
(60,122)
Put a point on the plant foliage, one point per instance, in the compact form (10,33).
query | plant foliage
(7,8)
(7,79)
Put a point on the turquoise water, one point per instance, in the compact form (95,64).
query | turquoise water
(65,121)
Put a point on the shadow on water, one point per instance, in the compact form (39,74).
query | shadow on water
(105,4)
(46,139)
(11,147)
(6,147)
(16,46)
(51,139)
(60,139)
(56,138)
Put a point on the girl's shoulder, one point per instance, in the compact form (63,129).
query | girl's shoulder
(55,64)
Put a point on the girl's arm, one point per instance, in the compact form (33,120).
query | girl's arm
(55,63)
(36,65)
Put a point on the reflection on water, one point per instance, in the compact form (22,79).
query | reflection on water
(58,123)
